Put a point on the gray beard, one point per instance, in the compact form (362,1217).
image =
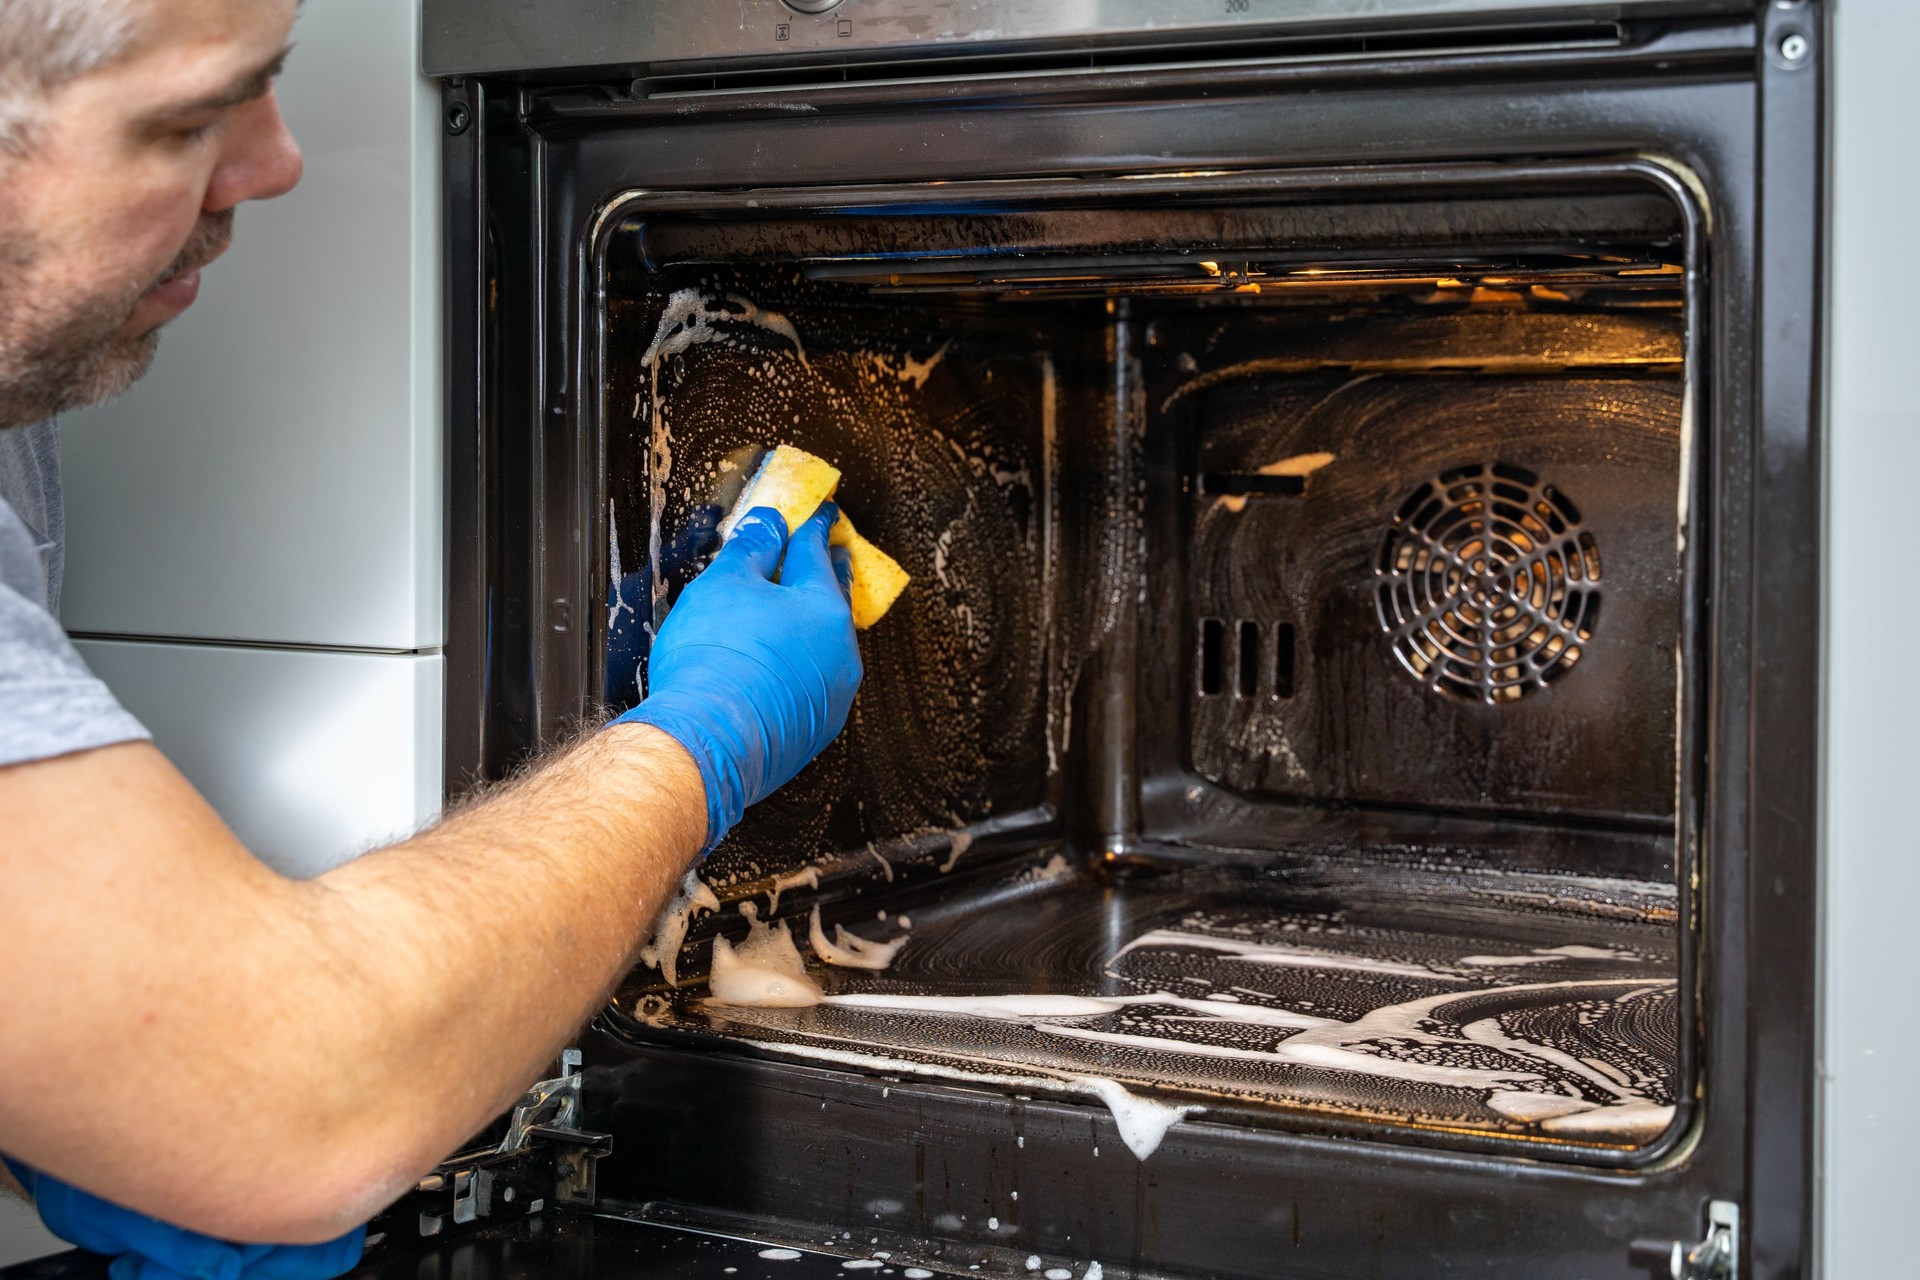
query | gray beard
(74,367)
(51,363)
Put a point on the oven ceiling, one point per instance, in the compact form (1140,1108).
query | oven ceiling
(478,37)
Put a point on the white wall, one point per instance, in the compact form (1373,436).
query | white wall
(1871,1050)
(278,476)
(21,1235)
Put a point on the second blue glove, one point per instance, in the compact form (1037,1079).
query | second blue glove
(144,1248)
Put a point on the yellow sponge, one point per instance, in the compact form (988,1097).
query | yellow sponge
(791,481)
(878,578)
(795,483)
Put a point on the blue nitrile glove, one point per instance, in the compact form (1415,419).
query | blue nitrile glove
(144,1248)
(755,677)
(630,602)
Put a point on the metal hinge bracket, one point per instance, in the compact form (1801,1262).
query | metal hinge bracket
(1715,1257)
(544,1158)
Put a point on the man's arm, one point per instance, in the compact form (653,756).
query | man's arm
(290,1054)
(192,1036)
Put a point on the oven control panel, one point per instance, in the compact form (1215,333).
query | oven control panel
(474,37)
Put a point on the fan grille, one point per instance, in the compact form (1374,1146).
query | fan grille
(1487,585)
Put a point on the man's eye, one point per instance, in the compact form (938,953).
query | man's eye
(197,132)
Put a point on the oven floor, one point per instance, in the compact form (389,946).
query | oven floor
(568,1246)
(1534,1008)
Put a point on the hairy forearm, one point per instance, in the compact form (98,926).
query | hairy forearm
(471,953)
(272,1059)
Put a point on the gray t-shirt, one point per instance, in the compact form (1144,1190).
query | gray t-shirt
(50,704)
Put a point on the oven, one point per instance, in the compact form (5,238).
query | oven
(1342,777)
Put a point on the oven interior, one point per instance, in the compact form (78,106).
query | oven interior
(1289,712)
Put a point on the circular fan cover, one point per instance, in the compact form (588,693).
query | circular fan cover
(1487,585)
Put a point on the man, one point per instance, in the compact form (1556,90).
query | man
(184,1033)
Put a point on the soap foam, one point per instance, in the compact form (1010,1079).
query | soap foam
(1634,1120)
(1291,956)
(808,876)
(1143,1124)
(670,928)
(764,972)
(962,841)
(850,950)
(1547,955)
(1531,1108)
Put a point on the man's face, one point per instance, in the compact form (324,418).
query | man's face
(127,188)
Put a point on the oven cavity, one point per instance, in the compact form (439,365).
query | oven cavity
(1249,736)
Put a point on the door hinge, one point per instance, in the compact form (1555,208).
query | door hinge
(544,1159)
(1715,1257)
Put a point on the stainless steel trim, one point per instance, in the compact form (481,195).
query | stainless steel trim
(474,37)
(930,71)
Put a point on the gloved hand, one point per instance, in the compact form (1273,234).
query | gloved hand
(755,677)
(144,1248)
(630,601)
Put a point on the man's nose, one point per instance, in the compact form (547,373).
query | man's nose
(260,161)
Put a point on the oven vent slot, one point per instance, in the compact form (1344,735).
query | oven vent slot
(1252,660)
(951,68)
(1213,646)
(1239,485)
(1487,585)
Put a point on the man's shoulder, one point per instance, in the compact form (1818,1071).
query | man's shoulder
(31,516)
(50,703)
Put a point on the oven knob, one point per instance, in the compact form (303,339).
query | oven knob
(810,6)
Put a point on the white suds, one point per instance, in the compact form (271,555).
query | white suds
(860,1264)
(1006,1007)
(1059,1273)
(1033,1262)
(670,928)
(1644,1120)
(1300,464)
(613,570)
(1142,1123)
(850,950)
(1546,955)
(885,866)
(1277,954)
(1093,1272)
(1402,1028)
(1052,869)
(689,318)
(917,1273)
(1531,1108)
(809,876)
(779,1255)
(961,841)
(764,972)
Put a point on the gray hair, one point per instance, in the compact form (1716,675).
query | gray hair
(46,43)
